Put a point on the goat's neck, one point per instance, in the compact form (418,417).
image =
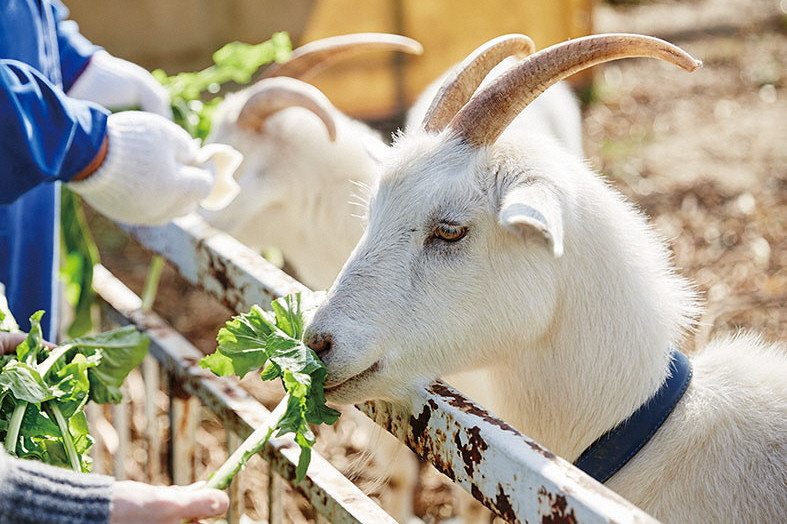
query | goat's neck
(607,350)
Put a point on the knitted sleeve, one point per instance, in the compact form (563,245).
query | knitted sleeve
(35,493)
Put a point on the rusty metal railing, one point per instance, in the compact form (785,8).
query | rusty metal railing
(512,475)
(329,492)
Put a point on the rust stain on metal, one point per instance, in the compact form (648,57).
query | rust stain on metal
(466,406)
(473,452)
(218,270)
(230,294)
(476,493)
(502,505)
(543,451)
(463,404)
(558,508)
(420,423)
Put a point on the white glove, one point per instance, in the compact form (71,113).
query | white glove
(153,170)
(119,84)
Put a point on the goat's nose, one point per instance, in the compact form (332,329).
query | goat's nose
(320,343)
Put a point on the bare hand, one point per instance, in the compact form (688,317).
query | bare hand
(9,341)
(137,502)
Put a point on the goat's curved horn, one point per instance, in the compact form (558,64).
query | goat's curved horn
(274,94)
(309,59)
(468,75)
(490,111)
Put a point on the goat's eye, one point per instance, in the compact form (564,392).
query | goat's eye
(450,232)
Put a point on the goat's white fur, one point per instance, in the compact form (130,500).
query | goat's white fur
(574,343)
(299,193)
(297,186)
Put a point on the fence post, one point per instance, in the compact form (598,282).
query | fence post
(150,374)
(184,419)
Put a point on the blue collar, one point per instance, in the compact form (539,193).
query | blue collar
(618,445)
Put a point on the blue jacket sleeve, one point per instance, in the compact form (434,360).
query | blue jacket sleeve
(75,50)
(47,136)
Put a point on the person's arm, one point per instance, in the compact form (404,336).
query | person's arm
(32,492)
(132,166)
(47,136)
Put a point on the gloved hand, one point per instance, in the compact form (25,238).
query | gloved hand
(119,84)
(153,171)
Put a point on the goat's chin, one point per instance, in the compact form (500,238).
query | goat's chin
(349,392)
(373,384)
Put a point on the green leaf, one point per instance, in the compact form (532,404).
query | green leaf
(271,371)
(238,61)
(30,348)
(73,386)
(77,425)
(24,382)
(121,351)
(192,94)
(273,342)
(243,342)
(36,430)
(218,363)
(303,462)
(293,311)
(32,392)
(296,384)
(287,312)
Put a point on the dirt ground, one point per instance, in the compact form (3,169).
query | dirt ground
(703,154)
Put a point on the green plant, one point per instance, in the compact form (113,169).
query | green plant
(234,62)
(57,383)
(272,341)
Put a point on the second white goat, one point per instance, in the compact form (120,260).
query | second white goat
(303,160)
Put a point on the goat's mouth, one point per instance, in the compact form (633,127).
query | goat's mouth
(331,388)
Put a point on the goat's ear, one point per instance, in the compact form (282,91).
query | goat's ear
(533,211)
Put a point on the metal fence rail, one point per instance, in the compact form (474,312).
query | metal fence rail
(329,492)
(512,475)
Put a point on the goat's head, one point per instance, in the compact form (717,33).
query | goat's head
(286,127)
(469,236)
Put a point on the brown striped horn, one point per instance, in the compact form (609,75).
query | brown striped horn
(274,94)
(465,78)
(490,111)
(309,59)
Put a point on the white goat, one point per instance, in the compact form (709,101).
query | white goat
(303,159)
(489,247)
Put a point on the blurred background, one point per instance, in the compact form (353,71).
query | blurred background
(180,35)
(704,155)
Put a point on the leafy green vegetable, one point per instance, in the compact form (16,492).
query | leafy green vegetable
(43,392)
(80,255)
(234,62)
(273,341)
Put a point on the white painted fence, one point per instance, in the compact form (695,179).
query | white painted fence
(512,475)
